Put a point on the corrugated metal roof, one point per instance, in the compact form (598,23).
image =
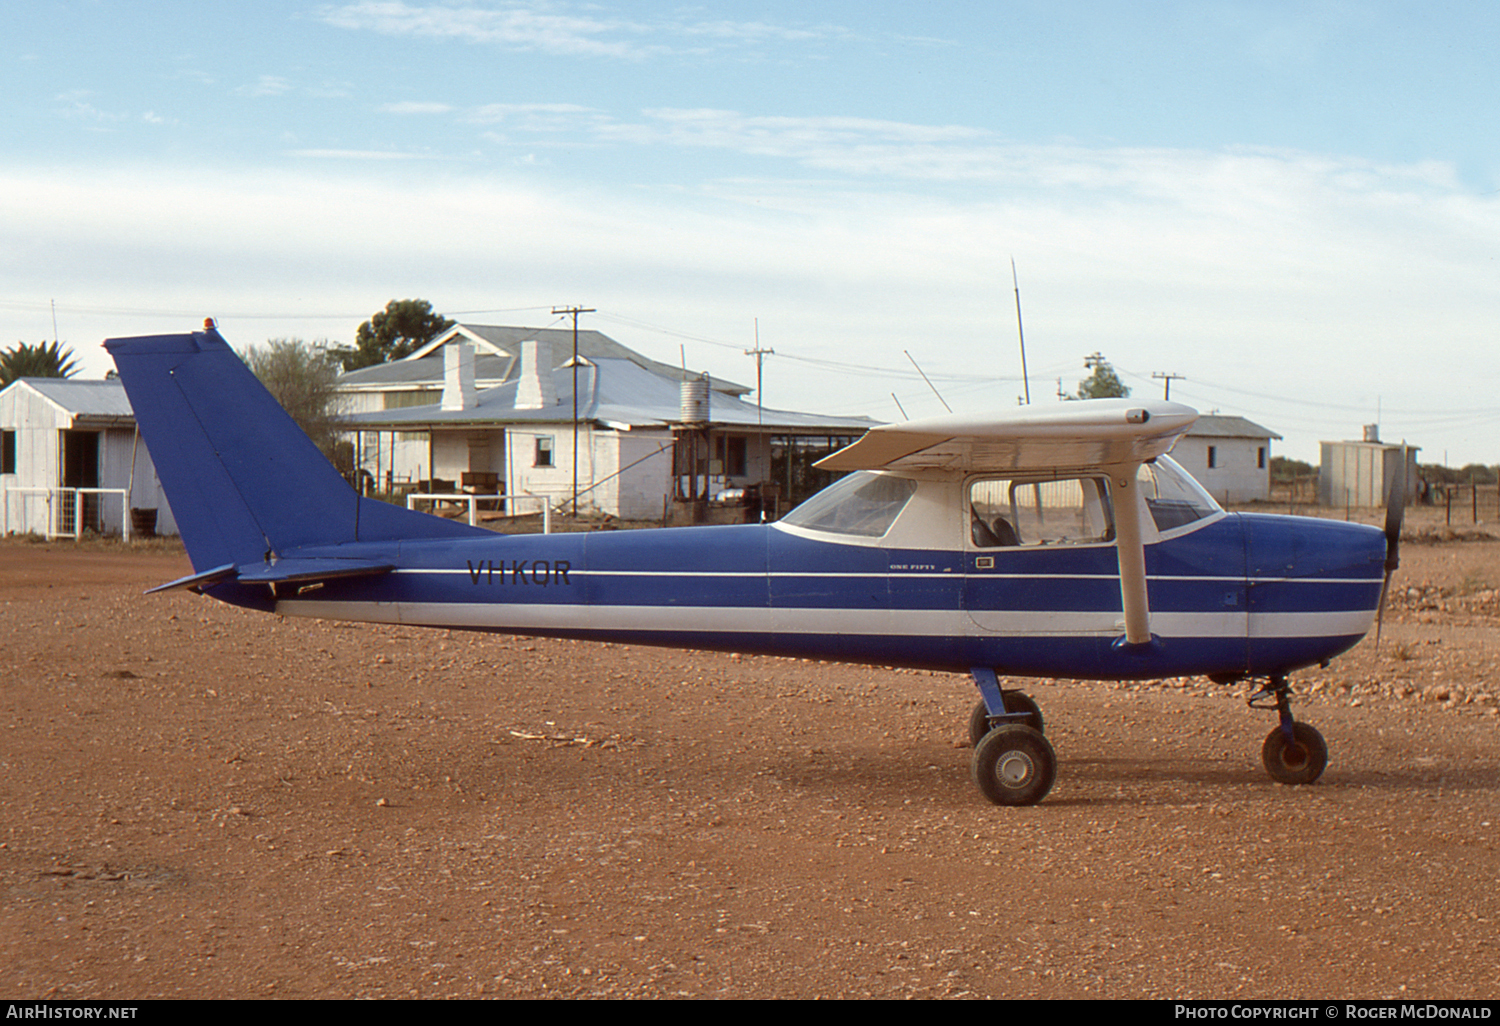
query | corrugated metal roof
(85,398)
(428,370)
(1216,426)
(488,367)
(611,391)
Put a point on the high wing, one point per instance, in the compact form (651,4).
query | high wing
(1032,439)
(1114,435)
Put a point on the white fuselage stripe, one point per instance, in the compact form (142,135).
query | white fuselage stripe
(527,616)
(902,575)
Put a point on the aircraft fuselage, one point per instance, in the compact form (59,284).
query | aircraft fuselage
(1242,594)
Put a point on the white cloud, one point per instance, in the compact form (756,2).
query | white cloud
(266,85)
(538,117)
(566,30)
(512,27)
(76,107)
(1338,284)
(417,107)
(376,155)
(758,31)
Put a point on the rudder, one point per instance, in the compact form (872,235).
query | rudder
(244,482)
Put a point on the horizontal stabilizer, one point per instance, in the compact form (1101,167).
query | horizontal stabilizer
(302,571)
(197,582)
(283,571)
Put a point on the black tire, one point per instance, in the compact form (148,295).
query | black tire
(1301,761)
(1020,702)
(1014,765)
(1015,702)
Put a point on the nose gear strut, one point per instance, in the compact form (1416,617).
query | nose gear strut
(1293,753)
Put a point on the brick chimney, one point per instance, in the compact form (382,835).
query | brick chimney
(458,376)
(534,389)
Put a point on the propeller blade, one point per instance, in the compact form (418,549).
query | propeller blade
(1395,509)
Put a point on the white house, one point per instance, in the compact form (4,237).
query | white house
(1228,456)
(649,439)
(70,460)
(417,380)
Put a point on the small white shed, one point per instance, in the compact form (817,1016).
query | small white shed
(70,461)
(1363,473)
(1228,456)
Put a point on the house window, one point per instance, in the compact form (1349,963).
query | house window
(732,451)
(1213,456)
(7,452)
(1260,458)
(543,452)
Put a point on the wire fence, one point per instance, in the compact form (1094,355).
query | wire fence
(64,512)
(1466,503)
(1461,503)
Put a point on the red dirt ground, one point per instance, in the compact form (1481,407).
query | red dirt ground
(205,802)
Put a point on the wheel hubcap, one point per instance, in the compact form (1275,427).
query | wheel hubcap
(1014,769)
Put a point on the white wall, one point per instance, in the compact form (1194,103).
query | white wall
(1237,475)
(37,423)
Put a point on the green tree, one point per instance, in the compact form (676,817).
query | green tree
(403,327)
(1104,383)
(1284,469)
(302,376)
(38,361)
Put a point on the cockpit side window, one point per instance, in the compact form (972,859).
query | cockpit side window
(1066,511)
(864,504)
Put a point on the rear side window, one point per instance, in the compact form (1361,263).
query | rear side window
(864,504)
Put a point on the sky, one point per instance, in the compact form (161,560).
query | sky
(1292,207)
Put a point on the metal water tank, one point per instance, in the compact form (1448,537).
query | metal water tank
(695,401)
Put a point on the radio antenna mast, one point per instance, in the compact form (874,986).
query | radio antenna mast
(1025,379)
(925,378)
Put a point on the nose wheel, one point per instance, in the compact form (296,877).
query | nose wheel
(1300,760)
(1293,753)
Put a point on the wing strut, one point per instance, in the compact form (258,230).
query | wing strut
(1131,551)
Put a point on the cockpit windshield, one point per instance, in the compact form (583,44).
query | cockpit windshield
(1173,497)
(864,503)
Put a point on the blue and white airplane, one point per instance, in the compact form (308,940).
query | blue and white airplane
(1050,542)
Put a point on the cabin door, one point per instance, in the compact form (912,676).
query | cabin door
(1040,558)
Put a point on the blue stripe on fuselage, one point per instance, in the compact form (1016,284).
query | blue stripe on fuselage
(755,567)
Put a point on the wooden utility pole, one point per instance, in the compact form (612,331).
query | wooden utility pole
(575,311)
(1167,379)
(760,409)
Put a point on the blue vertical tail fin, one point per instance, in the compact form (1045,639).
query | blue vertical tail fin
(244,482)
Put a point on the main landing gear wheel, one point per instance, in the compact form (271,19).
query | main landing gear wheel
(1299,761)
(1015,702)
(1014,765)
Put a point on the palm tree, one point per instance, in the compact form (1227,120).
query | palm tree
(38,361)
